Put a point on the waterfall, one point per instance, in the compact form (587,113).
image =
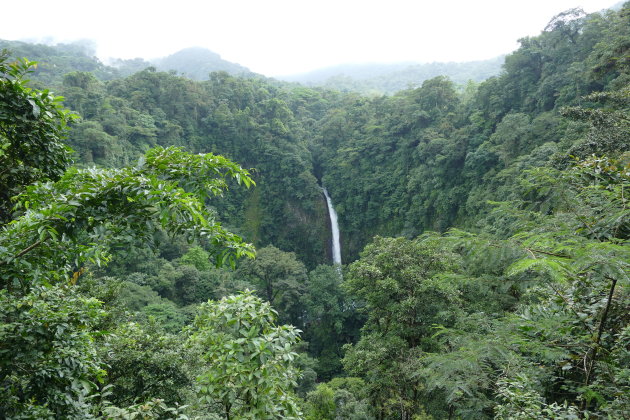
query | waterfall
(336,245)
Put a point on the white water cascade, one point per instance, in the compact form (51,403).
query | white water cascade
(336,245)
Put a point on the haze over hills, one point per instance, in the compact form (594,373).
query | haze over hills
(197,63)
(390,78)
(384,78)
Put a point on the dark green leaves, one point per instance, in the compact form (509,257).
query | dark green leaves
(88,211)
(32,128)
(47,360)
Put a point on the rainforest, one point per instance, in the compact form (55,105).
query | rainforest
(166,240)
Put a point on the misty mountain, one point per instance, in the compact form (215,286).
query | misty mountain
(197,63)
(194,63)
(390,78)
(54,61)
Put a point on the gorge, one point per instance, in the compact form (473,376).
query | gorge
(176,262)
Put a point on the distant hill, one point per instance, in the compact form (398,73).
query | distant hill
(197,63)
(390,78)
(54,61)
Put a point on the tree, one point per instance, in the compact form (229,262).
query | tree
(48,362)
(582,248)
(510,136)
(32,129)
(144,362)
(406,286)
(564,350)
(197,257)
(280,279)
(108,208)
(609,126)
(321,403)
(81,217)
(331,319)
(341,398)
(248,371)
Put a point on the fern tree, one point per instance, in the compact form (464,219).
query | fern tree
(565,348)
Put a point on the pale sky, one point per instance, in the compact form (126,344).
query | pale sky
(281,37)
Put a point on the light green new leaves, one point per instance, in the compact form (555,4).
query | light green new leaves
(248,371)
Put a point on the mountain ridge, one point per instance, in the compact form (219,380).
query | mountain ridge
(197,63)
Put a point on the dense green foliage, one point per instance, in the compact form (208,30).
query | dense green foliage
(248,371)
(54,62)
(244,119)
(49,365)
(485,228)
(428,159)
(32,127)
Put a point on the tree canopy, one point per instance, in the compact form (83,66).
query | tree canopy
(484,225)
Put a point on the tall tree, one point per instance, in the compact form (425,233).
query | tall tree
(280,278)
(407,287)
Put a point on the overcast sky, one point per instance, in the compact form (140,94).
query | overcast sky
(281,37)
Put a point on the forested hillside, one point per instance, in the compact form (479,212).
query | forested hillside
(53,62)
(484,231)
